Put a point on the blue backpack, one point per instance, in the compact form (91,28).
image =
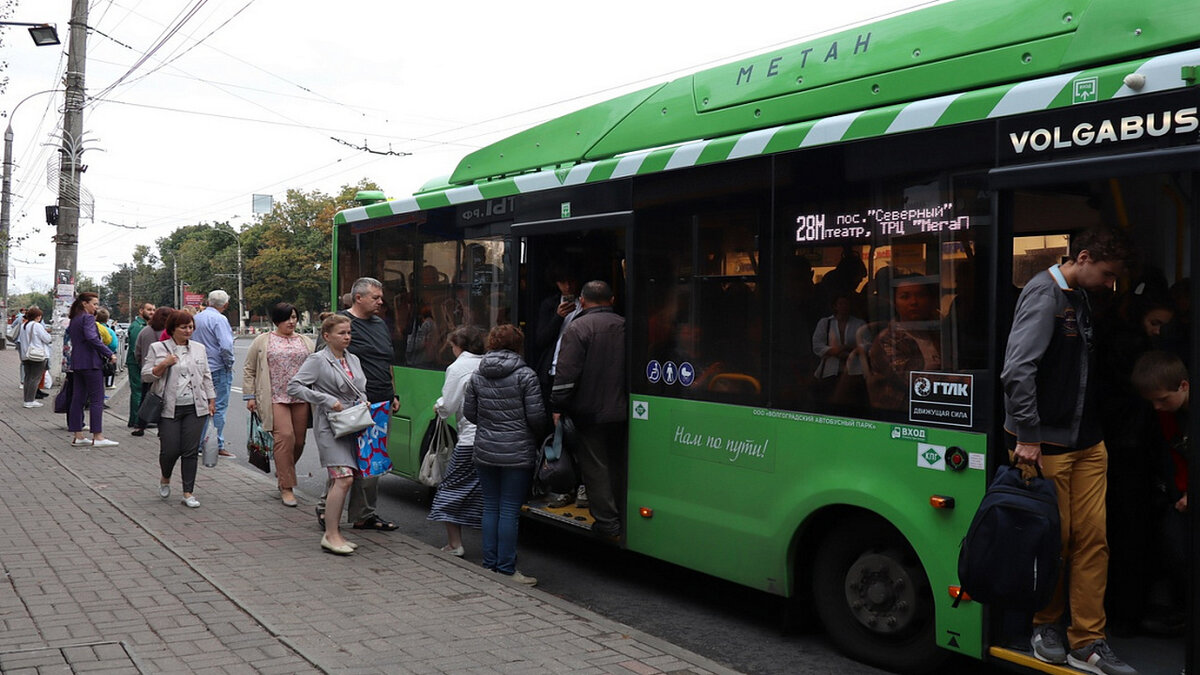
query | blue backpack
(1010,557)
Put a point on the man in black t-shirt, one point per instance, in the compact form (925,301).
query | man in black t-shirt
(371,342)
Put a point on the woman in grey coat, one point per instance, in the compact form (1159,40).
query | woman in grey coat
(330,380)
(504,400)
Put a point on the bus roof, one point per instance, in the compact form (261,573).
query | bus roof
(946,64)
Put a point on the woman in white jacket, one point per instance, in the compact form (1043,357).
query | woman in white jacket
(459,499)
(177,369)
(839,341)
(33,333)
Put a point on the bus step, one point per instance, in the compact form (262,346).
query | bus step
(1027,661)
(569,515)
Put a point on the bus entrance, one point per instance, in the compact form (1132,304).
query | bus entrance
(1148,310)
(554,267)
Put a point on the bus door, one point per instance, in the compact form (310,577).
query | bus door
(557,258)
(1150,195)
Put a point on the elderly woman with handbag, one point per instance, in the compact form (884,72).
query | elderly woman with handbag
(274,358)
(34,348)
(332,381)
(177,369)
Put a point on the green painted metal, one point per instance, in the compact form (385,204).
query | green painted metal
(751,478)
(1162,72)
(417,389)
(941,49)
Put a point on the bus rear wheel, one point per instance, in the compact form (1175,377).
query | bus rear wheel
(874,599)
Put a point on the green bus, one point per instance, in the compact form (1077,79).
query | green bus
(948,154)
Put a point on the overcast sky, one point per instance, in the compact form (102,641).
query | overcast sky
(244,97)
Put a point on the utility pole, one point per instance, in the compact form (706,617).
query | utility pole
(66,239)
(175,278)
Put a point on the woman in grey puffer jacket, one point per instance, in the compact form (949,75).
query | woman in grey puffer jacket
(504,400)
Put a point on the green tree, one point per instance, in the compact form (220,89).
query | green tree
(291,250)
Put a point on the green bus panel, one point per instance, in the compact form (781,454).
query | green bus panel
(731,489)
(417,389)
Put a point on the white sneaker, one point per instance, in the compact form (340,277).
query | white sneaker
(190,502)
(32,404)
(105,443)
(522,579)
(82,442)
(164,490)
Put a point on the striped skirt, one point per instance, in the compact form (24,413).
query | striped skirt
(459,499)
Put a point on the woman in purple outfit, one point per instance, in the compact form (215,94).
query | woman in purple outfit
(88,354)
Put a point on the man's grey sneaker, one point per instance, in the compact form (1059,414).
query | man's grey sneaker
(1047,644)
(1099,658)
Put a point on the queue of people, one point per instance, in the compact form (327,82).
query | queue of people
(501,407)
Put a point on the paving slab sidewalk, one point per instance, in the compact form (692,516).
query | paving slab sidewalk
(102,575)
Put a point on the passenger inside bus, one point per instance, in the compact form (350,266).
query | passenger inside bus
(840,341)
(910,342)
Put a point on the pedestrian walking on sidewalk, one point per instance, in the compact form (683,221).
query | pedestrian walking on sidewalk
(331,380)
(33,334)
(273,360)
(132,366)
(88,354)
(458,501)
(180,366)
(215,333)
(504,400)
(153,332)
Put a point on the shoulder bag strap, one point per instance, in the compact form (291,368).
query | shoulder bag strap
(337,366)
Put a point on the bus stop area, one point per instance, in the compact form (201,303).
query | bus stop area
(103,575)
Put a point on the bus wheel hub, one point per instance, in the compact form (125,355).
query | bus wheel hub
(880,593)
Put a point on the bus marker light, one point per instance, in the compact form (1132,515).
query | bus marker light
(646,512)
(956,590)
(941,502)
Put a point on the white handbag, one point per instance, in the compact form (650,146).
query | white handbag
(36,351)
(354,419)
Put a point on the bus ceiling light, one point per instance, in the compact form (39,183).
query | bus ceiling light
(646,512)
(941,502)
(1135,81)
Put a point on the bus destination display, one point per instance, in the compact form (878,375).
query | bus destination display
(818,227)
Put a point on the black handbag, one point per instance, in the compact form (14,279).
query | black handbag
(556,470)
(152,403)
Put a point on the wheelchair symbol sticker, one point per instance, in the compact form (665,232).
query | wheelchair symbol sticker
(653,372)
(687,374)
(670,374)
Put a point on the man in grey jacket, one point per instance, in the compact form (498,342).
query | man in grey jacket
(1052,419)
(589,385)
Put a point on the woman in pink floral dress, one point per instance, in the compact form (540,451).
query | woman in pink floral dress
(271,363)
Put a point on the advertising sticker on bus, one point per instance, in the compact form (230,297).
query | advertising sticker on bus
(940,398)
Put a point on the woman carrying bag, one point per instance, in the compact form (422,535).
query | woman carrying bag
(274,358)
(34,347)
(333,380)
(177,369)
(458,501)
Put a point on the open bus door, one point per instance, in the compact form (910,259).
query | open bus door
(575,251)
(1150,598)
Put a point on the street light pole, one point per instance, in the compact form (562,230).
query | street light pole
(237,237)
(6,206)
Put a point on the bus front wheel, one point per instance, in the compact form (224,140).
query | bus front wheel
(874,599)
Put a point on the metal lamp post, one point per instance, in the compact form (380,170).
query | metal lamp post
(237,237)
(6,206)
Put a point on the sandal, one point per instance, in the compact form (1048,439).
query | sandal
(321,517)
(375,523)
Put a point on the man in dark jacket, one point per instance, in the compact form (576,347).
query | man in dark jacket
(1053,421)
(589,385)
(145,311)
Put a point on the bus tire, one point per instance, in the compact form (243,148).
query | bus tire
(873,597)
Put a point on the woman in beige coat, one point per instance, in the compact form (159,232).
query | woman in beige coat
(177,369)
(274,358)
